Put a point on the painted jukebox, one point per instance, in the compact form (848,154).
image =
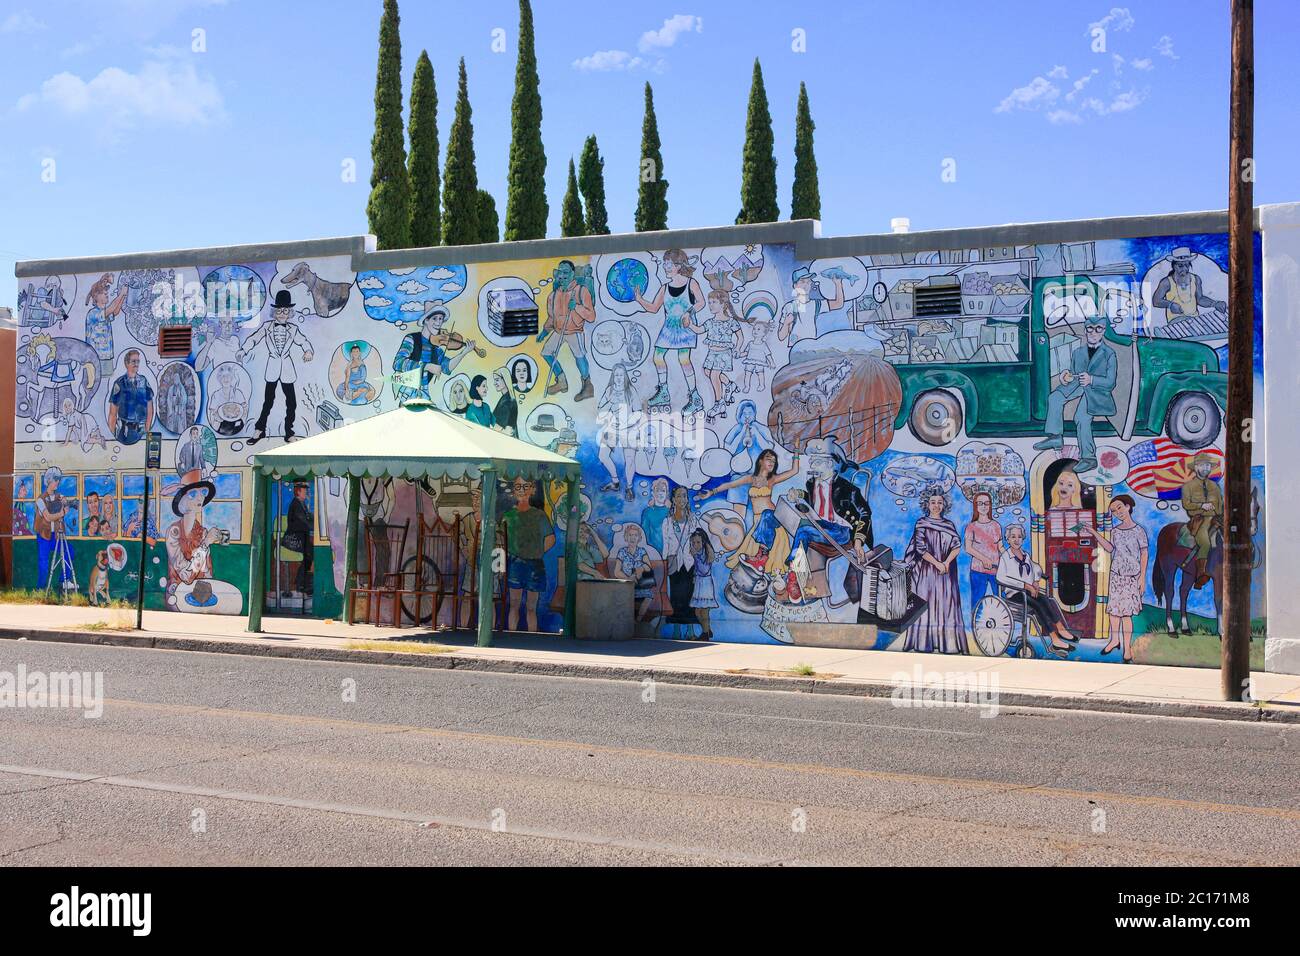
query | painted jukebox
(1066,519)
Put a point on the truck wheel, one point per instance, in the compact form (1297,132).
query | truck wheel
(936,417)
(1193,420)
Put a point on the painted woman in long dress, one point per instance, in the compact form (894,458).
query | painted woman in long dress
(931,556)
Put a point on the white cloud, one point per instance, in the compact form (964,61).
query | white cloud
(610,61)
(667,35)
(412,307)
(1063,117)
(440,273)
(1034,95)
(401,272)
(80,48)
(1165,47)
(1058,73)
(170,93)
(1078,86)
(378,302)
(1119,19)
(370,282)
(21,22)
(412,287)
(451,287)
(1143,63)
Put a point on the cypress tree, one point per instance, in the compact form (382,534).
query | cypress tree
(806,198)
(489,224)
(426,213)
(526,208)
(591,180)
(571,221)
(388,210)
(758,173)
(460,225)
(652,195)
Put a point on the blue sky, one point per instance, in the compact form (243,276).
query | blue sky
(156,146)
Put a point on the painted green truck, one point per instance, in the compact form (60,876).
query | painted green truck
(1164,385)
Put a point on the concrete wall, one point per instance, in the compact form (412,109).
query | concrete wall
(834,363)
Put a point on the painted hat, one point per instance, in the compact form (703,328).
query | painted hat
(803,272)
(1182,254)
(1205,456)
(191,481)
(283,300)
(434,308)
(545,423)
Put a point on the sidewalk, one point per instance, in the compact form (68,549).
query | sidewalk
(1134,688)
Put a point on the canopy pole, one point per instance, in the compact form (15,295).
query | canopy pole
(573,504)
(257,558)
(487,534)
(350,546)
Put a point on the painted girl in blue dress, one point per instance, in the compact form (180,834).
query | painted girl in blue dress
(680,297)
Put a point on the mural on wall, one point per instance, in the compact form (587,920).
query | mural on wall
(1003,450)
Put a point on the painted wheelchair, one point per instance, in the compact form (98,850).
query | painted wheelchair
(1002,625)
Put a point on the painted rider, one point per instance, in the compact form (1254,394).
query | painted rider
(569,308)
(1203,503)
(1090,378)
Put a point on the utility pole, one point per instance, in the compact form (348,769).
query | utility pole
(1235,673)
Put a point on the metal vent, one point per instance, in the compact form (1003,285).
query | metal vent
(175,341)
(935,301)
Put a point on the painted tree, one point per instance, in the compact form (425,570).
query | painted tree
(388,210)
(571,220)
(591,180)
(526,207)
(426,206)
(460,225)
(489,223)
(652,194)
(758,171)
(806,198)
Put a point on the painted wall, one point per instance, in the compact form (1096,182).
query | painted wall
(812,413)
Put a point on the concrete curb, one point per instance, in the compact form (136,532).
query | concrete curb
(805,685)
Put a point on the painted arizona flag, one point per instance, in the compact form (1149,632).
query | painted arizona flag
(1159,468)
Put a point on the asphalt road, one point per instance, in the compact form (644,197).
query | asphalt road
(221,759)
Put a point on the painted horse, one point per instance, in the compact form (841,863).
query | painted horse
(1173,557)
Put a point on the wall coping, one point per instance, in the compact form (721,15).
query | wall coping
(804,235)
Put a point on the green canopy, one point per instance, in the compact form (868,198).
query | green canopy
(417,440)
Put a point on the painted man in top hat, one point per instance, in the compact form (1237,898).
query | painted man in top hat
(836,509)
(423,351)
(1202,501)
(1091,378)
(280,335)
(1180,293)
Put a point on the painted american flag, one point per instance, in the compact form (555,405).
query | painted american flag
(1159,468)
